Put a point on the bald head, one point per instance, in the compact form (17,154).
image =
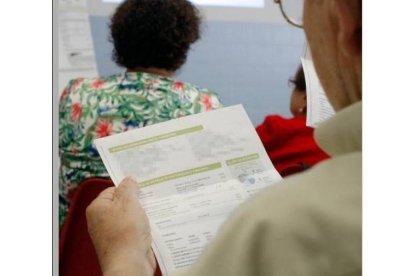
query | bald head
(334,31)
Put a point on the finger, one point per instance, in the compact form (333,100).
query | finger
(103,199)
(108,193)
(127,190)
(151,258)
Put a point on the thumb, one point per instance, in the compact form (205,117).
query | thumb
(127,190)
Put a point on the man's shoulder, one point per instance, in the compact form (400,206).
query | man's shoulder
(315,216)
(330,184)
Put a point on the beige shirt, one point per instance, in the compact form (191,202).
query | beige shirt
(309,225)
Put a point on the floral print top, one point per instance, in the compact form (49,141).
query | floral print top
(98,107)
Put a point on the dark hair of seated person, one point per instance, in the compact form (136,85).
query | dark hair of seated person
(154,33)
(298,81)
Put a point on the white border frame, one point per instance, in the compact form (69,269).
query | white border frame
(269,13)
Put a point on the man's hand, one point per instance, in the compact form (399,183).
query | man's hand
(120,231)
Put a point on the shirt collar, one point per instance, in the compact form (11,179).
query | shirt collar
(139,76)
(343,132)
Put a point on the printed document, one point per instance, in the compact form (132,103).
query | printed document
(318,107)
(193,172)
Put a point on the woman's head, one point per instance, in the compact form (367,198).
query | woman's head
(298,97)
(154,33)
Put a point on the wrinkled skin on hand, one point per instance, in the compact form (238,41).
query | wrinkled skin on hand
(120,231)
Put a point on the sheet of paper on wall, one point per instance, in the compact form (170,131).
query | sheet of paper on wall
(193,171)
(75,38)
(318,107)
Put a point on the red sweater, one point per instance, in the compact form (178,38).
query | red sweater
(289,144)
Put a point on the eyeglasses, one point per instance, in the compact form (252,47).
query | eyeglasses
(292,11)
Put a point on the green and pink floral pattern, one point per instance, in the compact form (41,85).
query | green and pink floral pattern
(93,108)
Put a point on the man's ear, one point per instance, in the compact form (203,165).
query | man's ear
(348,16)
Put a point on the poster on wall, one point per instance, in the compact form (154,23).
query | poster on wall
(75,40)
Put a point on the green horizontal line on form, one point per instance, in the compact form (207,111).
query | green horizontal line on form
(155,139)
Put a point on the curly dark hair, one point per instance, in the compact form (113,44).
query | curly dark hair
(154,33)
(299,80)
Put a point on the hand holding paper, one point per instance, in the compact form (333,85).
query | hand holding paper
(118,215)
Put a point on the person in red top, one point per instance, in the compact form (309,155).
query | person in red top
(288,141)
